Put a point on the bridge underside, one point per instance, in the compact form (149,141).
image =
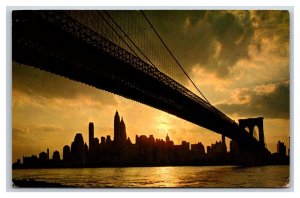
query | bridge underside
(72,50)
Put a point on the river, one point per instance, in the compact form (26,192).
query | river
(182,176)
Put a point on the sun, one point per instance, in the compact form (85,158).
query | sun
(163,125)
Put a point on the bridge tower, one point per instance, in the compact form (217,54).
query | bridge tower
(251,123)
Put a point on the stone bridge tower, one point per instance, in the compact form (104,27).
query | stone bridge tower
(251,123)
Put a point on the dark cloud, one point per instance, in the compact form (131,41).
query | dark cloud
(35,82)
(234,33)
(197,36)
(274,104)
(180,31)
(217,40)
(274,26)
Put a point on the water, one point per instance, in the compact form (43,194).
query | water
(184,176)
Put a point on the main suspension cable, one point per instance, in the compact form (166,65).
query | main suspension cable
(116,32)
(173,56)
(126,35)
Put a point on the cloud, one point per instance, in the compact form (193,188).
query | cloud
(218,40)
(22,136)
(32,139)
(271,101)
(20,131)
(271,31)
(35,130)
(46,129)
(233,33)
(39,86)
(213,39)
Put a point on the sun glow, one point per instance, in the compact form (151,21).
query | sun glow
(163,124)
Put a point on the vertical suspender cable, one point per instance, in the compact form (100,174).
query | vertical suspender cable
(173,56)
(129,38)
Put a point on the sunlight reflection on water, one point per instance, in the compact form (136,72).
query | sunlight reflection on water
(185,176)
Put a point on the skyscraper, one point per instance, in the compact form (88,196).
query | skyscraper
(120,136)
(77,148)
(123,136)
(56,156)
(117,128)
(91,135)
(281,148)
(66,153)
(167,139)
(47,154)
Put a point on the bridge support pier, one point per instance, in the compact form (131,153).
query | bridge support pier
(251,123)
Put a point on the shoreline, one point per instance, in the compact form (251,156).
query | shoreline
(31,183)
(76,167)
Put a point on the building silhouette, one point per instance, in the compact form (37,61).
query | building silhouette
(280,157)
(31,161)
(48,154)
(146,151)
(218,148)
(108,139)
(197,151)
(56,156)
(67,153)
(281,148)
(91,135)
(123,136)
(43,156)
(120,136)
(77,149)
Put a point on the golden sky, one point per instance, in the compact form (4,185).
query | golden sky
(239,59)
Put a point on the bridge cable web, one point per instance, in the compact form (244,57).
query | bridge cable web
(117,33)
(134,26)
(128,38)
(130,30)
(139,32)
(174,56)
(127,27)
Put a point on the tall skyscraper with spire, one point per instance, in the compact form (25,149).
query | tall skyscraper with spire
(120,136)
(123,135)
(117,128)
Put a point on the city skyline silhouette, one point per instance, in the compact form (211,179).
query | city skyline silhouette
(119,151)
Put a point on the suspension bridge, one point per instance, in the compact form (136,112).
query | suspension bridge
(123,53)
